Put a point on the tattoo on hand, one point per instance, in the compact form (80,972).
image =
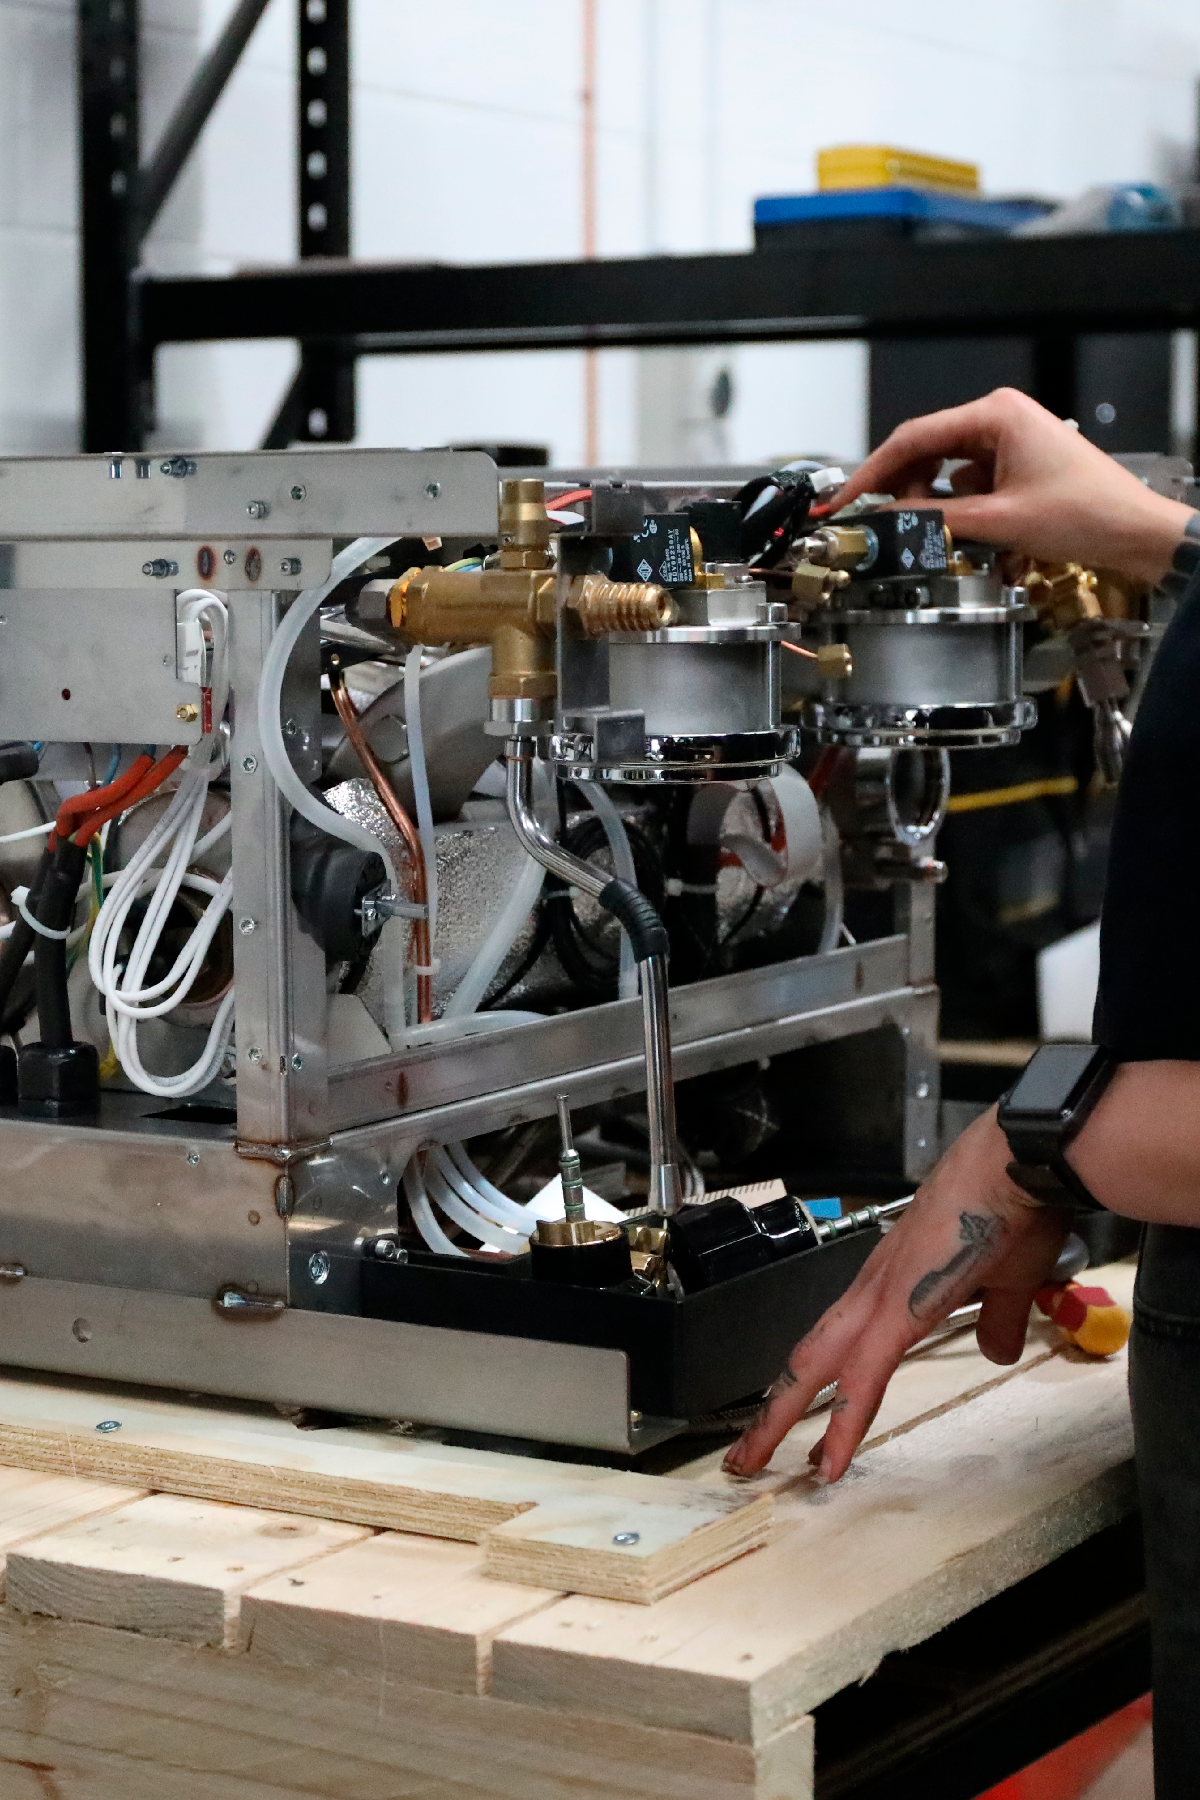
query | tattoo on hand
(979,1232)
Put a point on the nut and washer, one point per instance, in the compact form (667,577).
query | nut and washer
(187,714)
(247,925)
(257,509)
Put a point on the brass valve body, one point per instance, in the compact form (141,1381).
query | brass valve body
(814,586)
(838,546)
(1063,593)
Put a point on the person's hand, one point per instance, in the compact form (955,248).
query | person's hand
(1031,483)
(970,1229)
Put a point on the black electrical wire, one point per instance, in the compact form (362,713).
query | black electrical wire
(591,964)
(18,945)
(56,911)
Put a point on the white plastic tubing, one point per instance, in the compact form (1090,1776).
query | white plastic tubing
(270,691)
(176,837)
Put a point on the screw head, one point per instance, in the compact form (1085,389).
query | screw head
(297,1062)
(433,489)
(257,509)
(193,1157)
(187,714)
(299,491)
(247,925)
(109,1425)
(318,1268)
(625,1538)
(254,1054)
(922,1090)
(230,556)
(289,565)
(249,764)
(289,728)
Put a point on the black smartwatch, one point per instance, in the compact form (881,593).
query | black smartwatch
(1043,1110)
(1185,561)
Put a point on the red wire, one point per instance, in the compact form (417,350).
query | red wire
(153,778)
(82,804)
(556,502)
(822,770)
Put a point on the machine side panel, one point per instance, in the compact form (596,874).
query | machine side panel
(512,1387)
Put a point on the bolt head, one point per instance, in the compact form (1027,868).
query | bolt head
(254,1054)
(433,489)
(257,509)
(247,925)
(187,714)
(318,1268)
(230,556)
(626,1538)
(299,491)
(193,1157)
(109,1425)
(297,1062)
(249,764)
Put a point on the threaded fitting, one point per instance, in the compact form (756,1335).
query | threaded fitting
(605,605)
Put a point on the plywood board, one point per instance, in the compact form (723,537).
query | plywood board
(165,1566)
(928,1525)
(31,1504)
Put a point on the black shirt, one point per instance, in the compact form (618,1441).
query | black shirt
(1148,1006)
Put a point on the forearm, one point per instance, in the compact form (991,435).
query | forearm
(1139,1153)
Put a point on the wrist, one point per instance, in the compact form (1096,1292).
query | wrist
(1155,537)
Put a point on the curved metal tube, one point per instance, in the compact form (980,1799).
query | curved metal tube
(666,1187)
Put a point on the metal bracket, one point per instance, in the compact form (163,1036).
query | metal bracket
(282,1155)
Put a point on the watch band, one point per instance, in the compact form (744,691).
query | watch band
(1044,1110)
(1186,560)
(1054,1184)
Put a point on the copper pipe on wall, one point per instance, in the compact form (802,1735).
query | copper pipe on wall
(348,714)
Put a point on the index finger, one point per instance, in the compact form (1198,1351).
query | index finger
(970,431)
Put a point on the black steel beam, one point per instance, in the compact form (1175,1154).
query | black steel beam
(1040,286)
(107,51)
(191,115)
(320,404)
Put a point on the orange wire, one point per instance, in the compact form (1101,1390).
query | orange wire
(94,798)
(348,713)
(142,789)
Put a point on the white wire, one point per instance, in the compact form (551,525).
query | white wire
(422,1213)
(510,1213)
(500,1211)
(32,831)
(443,1195)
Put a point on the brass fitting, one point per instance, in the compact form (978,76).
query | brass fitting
(835,661)
(1063,593)
(838,546)
(514,607)
(604,605)
(814,586)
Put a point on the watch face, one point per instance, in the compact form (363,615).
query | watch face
(1051,1078)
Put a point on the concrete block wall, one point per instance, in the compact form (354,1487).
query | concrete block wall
(467,147)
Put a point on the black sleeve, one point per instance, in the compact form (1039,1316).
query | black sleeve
(1148,1006)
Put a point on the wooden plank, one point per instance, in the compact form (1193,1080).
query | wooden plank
(31,1504)
(165,1566)
(416,1608)
(627,1549)
(172,1707)
(930,1524)
(370,1477)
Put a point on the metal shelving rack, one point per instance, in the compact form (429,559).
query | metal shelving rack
(1049,289)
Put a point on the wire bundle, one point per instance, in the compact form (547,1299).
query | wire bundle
(445,1175)
(176,837)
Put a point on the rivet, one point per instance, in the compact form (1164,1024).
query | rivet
(230,556)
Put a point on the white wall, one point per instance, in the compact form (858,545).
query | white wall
(467,148)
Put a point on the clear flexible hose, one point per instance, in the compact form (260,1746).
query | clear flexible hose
(604,807)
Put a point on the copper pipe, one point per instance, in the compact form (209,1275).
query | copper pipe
(348,714)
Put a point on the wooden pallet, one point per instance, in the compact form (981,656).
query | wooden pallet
(191,1649)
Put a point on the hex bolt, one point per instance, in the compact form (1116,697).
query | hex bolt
(433,489)
(257,509)
(249,764)
(254,1054)
(247,925)
(109,1425)
(297,1061)
(187,714)
(289,565)
(625,1538)
(193,1157)
(299,491)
